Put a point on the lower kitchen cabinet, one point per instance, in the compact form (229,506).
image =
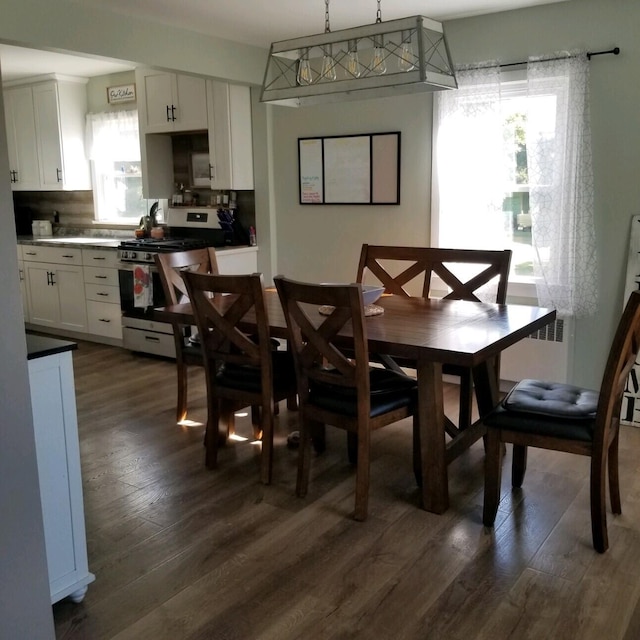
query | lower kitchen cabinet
(56,297)
(102,292)
(58,456)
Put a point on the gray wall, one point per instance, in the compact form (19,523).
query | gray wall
(25,605)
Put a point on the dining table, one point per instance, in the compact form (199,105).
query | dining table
(431,332)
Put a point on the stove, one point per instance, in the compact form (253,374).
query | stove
(143,249)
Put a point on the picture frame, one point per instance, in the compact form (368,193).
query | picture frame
(199,169)
(358,169)
(121,93)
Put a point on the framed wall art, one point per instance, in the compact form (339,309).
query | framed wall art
(354,169)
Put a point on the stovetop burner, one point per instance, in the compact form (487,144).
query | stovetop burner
(143,249)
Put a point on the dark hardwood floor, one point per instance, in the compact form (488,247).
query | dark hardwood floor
(180,552)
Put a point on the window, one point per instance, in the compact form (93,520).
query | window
(512,170)
(114,151)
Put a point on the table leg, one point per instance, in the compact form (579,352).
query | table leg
(486,385)
(431,437)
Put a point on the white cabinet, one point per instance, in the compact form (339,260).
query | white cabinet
(23,285)
(46,128)
(170,102)
(55,287)
(21,139)
(237,261)
(58,456)
(230,136)
(102,292)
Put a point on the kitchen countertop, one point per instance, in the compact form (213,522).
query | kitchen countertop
(41,346)
(71,242)
(88,242)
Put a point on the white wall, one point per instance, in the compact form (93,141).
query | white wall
(322,243)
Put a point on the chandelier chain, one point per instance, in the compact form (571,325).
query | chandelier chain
(379,13)
(327,26)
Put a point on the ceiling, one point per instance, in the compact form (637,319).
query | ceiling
(256,22)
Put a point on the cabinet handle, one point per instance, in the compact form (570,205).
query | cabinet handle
(31,253)
(99,293)
(173,113)
(59,175)
(212,172)
(21,272)
(152,339)
(98,258)
(168,115)
(68,256)
(101,277)
(104,320)
(50,280)
(14,175)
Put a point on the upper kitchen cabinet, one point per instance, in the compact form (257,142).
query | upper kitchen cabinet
(170,102)
(230,136)
(45,124)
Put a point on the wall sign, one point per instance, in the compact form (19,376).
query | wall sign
(121,93)
(356,169)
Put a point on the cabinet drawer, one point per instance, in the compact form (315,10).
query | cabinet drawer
(100,275)
(102,293)
(105,319)
(57,255)
(105,258)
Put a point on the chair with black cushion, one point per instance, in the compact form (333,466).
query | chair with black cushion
(463,272)
(334,389)
(566,418)
(241,369)
(188,352)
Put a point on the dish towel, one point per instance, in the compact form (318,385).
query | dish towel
(142,286)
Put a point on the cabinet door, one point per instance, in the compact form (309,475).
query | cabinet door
(23,290)
(21,139)
(45,100)
(69,282)
(230,136)
(158,99)
(191,103)
(43,296)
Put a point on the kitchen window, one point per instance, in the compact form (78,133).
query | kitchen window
(114,152)
(512,170)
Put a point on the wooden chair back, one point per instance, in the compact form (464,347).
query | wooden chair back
(314,339)
(423,263)
(171,265)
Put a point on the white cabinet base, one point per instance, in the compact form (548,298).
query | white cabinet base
(55,424)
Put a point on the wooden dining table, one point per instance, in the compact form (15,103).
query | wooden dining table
(431,332)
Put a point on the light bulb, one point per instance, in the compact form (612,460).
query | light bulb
(304,69)
(328,65)
(406,61)
(353,64)
(378,63)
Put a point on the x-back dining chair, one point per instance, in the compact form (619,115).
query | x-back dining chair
(565,418)
(240,369)
(333,388)
(403,270)
(188,353)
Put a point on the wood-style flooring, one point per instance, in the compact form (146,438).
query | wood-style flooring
(181,552)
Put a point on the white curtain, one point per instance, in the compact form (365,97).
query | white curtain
(561,188)
(113,136)
(469,181)
(470,175)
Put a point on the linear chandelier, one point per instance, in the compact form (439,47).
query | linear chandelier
(408,55)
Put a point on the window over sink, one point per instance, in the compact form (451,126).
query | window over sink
(114,151)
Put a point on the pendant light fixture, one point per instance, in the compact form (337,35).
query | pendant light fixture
(407,55)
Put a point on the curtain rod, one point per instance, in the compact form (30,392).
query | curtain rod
(615,51)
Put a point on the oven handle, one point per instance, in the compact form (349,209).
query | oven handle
(130,266)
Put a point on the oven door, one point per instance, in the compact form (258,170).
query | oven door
(128,298)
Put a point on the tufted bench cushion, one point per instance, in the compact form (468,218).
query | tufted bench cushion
(547,408)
